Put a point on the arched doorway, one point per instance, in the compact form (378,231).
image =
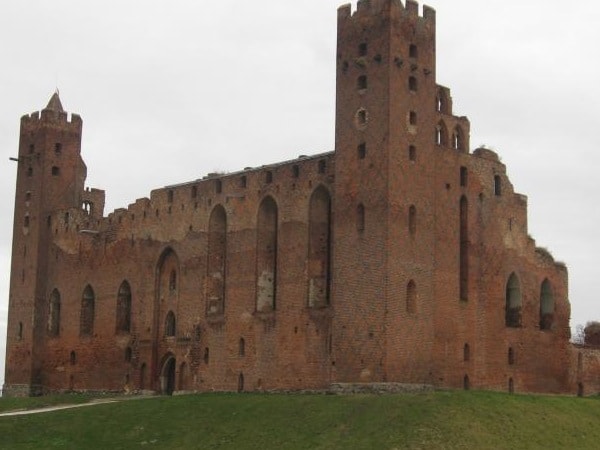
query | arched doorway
(167,376)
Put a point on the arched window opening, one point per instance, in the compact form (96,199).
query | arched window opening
(173,281)
(170,324)
(216,263)
(124,308)
(411,297)
(86,324)
(167,271)
(511,356)
(128,354)
(319,248)
(458,139)
(360,218)
(73,358)
(441,134)
(242,347)
(442,102)
(54,314)
(266,255)
(412,220)
(497,185)
(464,249)
(513,302)
(206,355)
(546,306)
(412,84)
(361,83)
(466,383)
(466,352)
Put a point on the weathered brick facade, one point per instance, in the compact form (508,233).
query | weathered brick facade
(402,256)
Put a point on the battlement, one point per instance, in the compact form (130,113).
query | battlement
(376,7)
(49,116)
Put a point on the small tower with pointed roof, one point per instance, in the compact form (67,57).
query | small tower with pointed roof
(50,177)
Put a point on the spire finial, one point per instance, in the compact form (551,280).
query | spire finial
(54,104)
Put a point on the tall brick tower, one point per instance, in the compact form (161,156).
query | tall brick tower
(384,238)
(50,176)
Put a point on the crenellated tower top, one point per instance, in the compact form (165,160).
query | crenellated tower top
(53,115)
(377,7)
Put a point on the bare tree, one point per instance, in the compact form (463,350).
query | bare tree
(579,335)
(591,334)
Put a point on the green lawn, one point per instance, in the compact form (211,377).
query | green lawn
(437,420)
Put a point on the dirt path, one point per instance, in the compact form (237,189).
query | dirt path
(23,412)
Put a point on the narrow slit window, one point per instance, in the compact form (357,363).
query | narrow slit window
(362,150)
(412,118)
(361,82)
(362,117)
(360,218)
(295,171)
(218,186)
(269,177)
(412,153)
(412,51)
(322,166)
(411,297)
(170,324)
(497,185)
(362,49)
(412,220)
(412,84)
(464,174)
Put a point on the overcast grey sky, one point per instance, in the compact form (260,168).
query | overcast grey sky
(172,90)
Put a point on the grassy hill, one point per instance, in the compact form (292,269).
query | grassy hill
(436,420)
